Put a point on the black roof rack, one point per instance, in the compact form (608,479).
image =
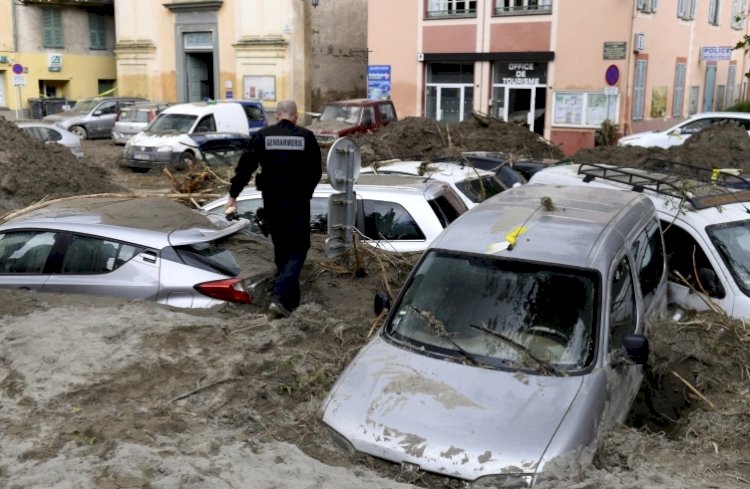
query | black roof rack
(699,186)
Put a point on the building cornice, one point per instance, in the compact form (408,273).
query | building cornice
(261,42)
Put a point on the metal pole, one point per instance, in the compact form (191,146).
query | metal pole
(348,223)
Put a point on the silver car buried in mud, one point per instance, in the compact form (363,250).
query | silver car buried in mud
(72,252)
(517,340)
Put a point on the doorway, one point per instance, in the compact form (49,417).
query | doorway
(199,76)
(524,106)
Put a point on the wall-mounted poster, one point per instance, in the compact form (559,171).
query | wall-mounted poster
(259,87)
(379,82)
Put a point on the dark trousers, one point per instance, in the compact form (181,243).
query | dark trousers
(290,233)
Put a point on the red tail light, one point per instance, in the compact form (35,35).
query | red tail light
(151,115)
(230,290)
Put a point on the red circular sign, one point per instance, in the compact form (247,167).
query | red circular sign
(18,69)
(612,75)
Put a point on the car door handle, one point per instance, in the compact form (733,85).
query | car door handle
(149,256)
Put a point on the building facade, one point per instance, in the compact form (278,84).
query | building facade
(59,48)
(562,67)
(189,50)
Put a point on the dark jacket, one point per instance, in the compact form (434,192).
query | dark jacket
(290,161)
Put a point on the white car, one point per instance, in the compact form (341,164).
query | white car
(472,184)
(400,214)
(677,134)
(50,133)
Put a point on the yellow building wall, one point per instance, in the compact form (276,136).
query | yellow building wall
(77,79)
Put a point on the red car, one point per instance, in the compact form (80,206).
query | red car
(354,116)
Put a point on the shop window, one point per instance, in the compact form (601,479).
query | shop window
(449,91)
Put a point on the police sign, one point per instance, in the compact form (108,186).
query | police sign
(716,53)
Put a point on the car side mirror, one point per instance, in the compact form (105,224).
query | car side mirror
(636,348)
(710,281)
(381,303)
(97,113)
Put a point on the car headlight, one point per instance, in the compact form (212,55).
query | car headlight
(504,481)
(341,441)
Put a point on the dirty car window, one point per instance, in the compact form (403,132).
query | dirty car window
(451,294)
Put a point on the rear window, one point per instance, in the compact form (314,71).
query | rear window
(254,113)
(130,115)
(209,257)
(444,210)
(480,189)
(388,220)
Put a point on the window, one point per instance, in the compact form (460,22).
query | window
(649,255)
(449,91)
(368,116)
(686,9)
(522,7)
(738,14)
(622,311)
(387,114)
(684,257)
(693,107)
(107,107)
(97,31)
(730,85)
(93,255)
(444,210)
(679,89)
(647,6)
(25,251)
(720,97)
(388,220)
(207,124)
(713,12)
(441,8)
(732,240)
(639,90)
(587,109)
(52,28)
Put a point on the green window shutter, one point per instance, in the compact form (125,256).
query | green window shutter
(97,32)
(52,28)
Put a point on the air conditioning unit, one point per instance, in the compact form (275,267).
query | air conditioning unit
(639,41)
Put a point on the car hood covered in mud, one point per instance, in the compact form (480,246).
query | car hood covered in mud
(446,417)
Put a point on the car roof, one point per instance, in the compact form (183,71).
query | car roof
(147,105)
(38,124)
(196,108)
(734,115)
(582,227)
(254,103)
(443,171)
(359,101)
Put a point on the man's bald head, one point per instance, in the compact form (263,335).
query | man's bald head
(287,109)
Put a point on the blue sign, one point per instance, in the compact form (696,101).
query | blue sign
(612,75)
(229,94)
(379,82)
(17,69)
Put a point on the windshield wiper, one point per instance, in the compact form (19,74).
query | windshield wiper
(545,366)
(438,328)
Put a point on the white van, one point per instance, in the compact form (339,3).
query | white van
(167,142)
(705,217)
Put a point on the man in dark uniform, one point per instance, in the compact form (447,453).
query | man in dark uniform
(290,162)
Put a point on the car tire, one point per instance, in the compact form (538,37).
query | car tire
(186,159)
(79,131)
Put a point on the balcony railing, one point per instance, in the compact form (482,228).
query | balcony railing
(442,14)
(524,10)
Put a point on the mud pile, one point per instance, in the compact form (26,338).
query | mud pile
(31,170)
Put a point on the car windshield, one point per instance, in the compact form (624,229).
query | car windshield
(84,106)
(481,188)
(733,242)
(500,313)
(173,123)
(342,113)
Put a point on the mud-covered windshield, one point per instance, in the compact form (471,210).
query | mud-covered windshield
(481,188)
(342,113)
(733,242)
(501,313)
(172,123)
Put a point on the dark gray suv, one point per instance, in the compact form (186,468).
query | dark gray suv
(92,117)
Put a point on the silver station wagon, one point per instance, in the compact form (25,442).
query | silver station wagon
(518,339)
